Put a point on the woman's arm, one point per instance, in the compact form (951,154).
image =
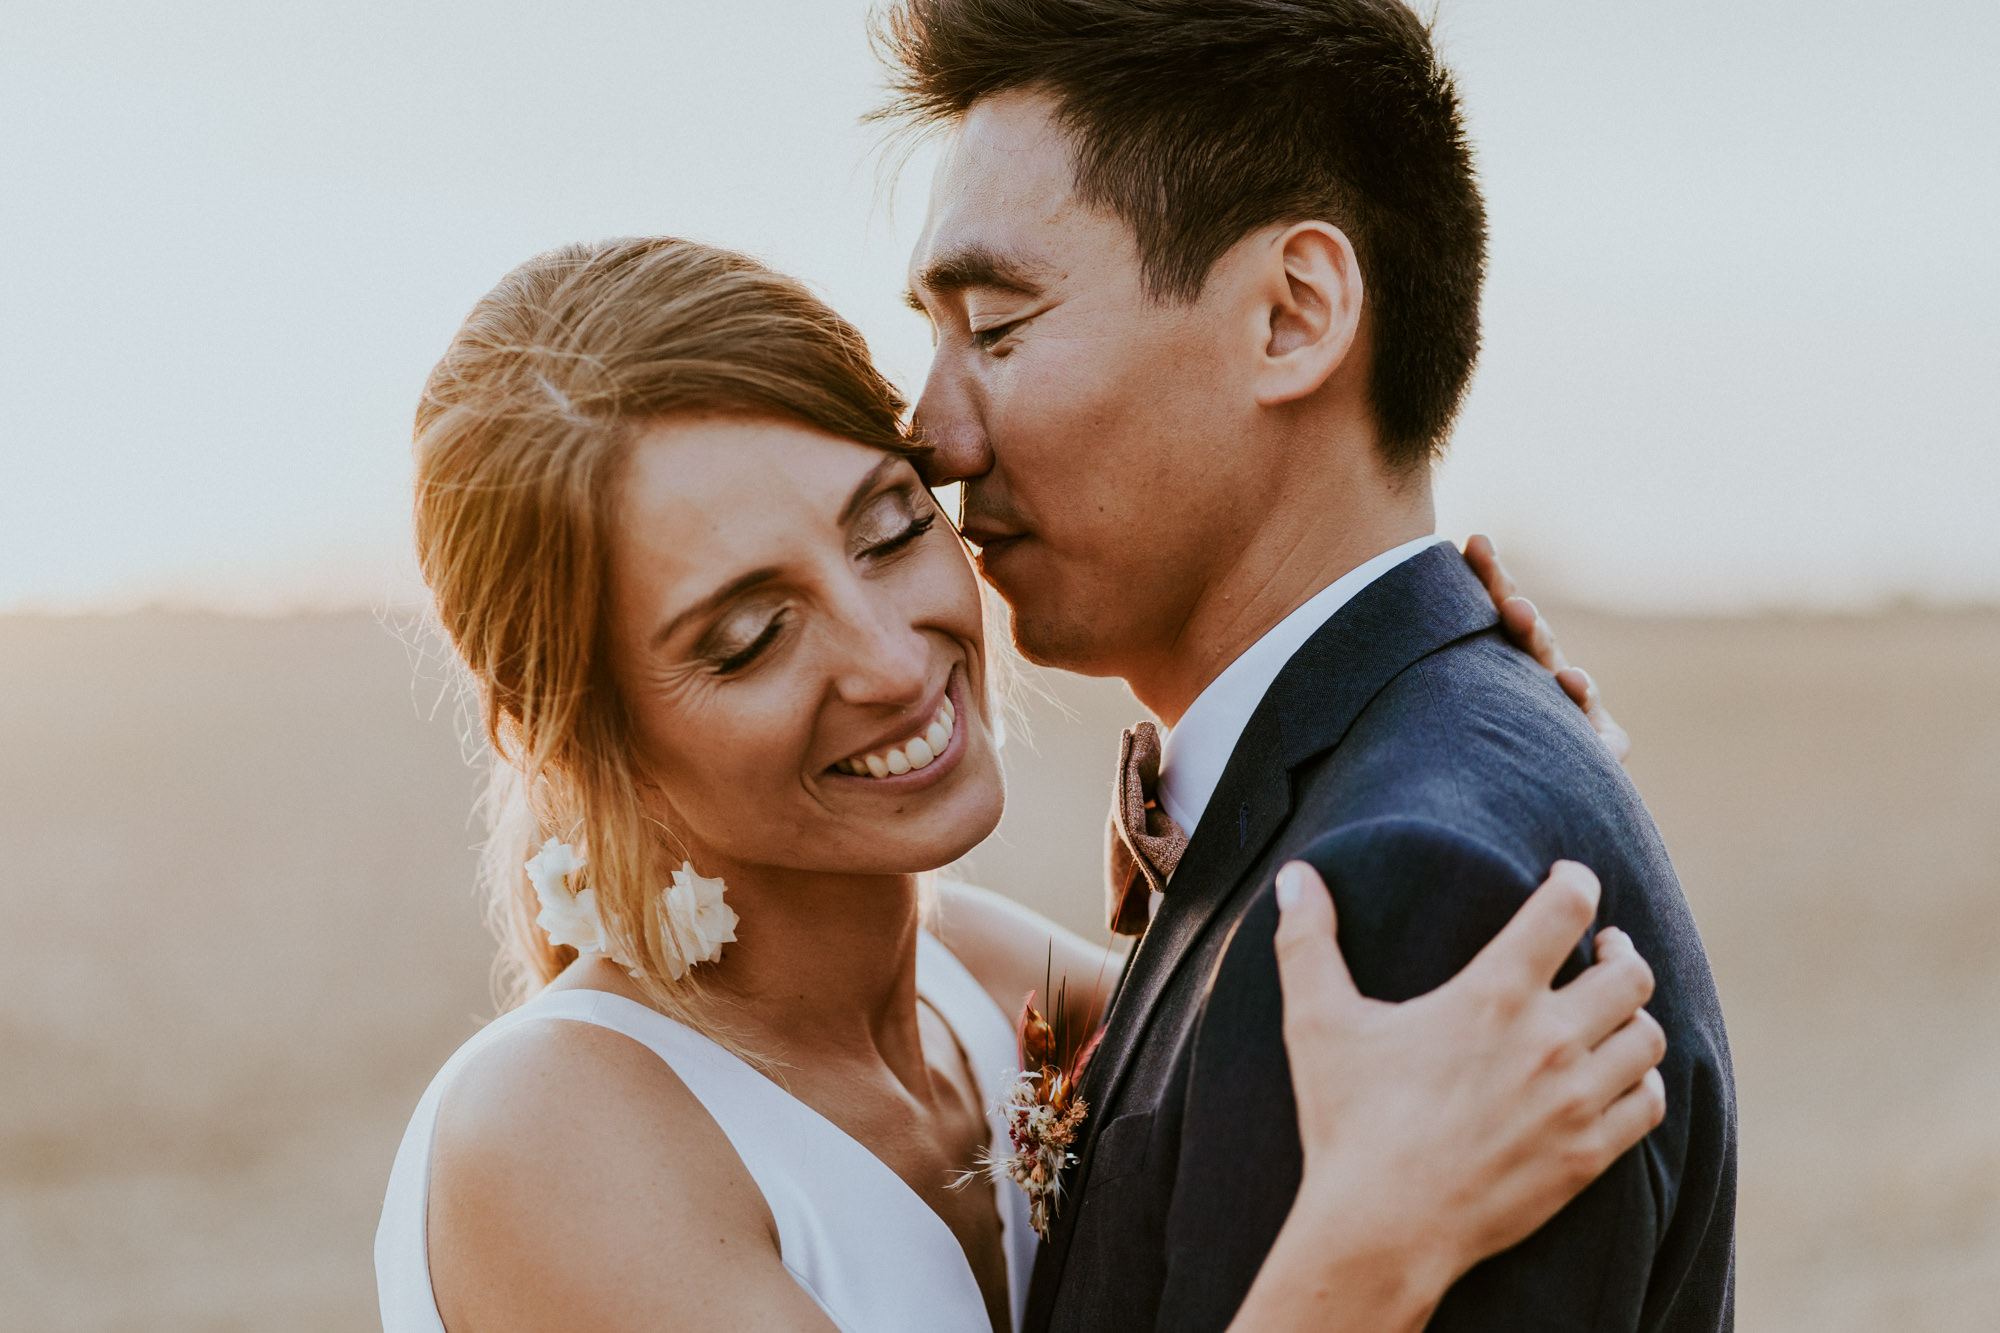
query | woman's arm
(1014,951)
(1446,1129)
(577,1186)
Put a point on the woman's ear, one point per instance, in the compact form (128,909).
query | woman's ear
(1313,295)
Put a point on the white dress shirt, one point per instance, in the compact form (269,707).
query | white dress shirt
(1198,748)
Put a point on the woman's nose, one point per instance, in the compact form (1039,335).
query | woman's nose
(886,660)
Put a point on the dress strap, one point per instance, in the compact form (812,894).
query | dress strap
(856,1237)
(993,1050)
(975,1019)
(814,1177)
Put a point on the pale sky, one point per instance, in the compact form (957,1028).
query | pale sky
(1742,336)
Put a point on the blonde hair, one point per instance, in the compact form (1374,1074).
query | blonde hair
(521,437)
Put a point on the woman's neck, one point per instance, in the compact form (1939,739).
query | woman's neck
(820,955)
(824,969)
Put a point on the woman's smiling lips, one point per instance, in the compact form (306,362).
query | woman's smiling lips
(924,755)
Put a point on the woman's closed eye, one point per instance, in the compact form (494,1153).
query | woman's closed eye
(741,637)
(916,528)
(889,523)
(746,632)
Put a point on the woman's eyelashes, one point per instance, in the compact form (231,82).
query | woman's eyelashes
(889,523)
(742,636)
(916,528)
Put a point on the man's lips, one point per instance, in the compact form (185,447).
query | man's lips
(988,535)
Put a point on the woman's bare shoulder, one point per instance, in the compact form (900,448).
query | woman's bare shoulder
(556,1096)
(568,1160)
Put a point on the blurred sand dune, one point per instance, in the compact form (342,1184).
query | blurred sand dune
(240,938)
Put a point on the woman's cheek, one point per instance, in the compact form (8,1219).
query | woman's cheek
(964,611)
(756,786)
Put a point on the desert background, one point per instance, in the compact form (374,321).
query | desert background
(241,938)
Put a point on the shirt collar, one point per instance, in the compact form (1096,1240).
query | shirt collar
(1199,746)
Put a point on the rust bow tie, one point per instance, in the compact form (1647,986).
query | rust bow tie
(1143,843)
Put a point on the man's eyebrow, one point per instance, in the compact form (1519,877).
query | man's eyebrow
(982,266)
(745,582)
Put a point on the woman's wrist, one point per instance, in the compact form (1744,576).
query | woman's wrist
(1338,1268)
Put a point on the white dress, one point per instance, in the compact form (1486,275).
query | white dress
(855,1236)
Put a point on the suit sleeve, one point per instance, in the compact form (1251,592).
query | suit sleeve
(1416,902)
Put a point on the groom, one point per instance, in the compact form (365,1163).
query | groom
(1205,281)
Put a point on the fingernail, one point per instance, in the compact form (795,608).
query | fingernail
(1288,887)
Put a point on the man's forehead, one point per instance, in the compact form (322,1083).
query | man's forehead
(1004,178)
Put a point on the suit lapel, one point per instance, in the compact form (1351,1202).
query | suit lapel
(1423,604)
(1249,806)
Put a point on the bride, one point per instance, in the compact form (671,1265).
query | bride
(734,671)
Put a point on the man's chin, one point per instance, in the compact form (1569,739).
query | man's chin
(1007,561)
(1061,644)
(1040,620)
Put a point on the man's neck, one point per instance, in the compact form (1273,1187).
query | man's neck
(1301,548)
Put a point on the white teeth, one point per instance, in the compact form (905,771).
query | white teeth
(918,752)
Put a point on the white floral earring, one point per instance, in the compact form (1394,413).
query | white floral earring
(693,916)
(696,920)
(569,918)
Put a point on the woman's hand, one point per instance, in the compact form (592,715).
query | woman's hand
(1445,1129)
(1532,635)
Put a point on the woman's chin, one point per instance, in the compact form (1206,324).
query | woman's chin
(964,840)
(917,841)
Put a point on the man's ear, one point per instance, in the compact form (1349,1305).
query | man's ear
(1312,288)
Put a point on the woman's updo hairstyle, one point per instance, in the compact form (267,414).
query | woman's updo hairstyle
(521,436)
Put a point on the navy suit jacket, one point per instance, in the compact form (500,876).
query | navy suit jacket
(1431,773)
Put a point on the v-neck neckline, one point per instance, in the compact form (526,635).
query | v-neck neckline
(900,1187)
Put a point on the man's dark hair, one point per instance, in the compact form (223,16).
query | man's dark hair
(1199,121)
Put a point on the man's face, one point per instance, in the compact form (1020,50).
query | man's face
(1106,440)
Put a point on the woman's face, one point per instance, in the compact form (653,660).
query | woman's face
(796,633)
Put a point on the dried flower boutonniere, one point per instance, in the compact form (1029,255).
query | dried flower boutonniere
(1042,1112)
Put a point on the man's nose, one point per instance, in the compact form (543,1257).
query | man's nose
(948,419)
